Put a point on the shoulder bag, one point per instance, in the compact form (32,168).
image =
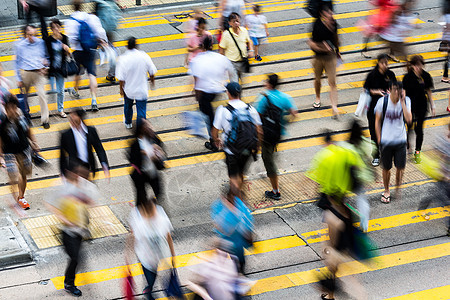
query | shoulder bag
(244,59)
(69,66)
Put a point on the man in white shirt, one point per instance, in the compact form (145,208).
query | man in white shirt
(209,80)
(131,71)
(391,113)
(242,133)
(85,57)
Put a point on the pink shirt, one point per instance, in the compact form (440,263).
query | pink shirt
(194,40)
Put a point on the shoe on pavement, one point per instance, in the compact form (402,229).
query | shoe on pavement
(94,107)
(46,125)
(23,203)
(211,146)
(128,126)
(73,290)
(272,195)
(417,158)
(376,162)
(74,93)
(258,58)
(62,114)
(111,78)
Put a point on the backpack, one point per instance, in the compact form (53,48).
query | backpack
(109,14)
(271,120)
(86,36)
(243,135)
(313,7)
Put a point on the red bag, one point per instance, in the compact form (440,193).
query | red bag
(128,286)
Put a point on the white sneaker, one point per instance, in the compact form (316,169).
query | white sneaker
(128,126)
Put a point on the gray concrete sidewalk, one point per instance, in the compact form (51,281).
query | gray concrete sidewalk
(13,248)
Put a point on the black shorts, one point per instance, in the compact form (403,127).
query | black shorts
(236,164)
(86,60)
(397,152)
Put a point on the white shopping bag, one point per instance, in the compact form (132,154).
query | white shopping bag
(363,104)
(108,55)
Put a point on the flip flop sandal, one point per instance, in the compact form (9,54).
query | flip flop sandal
(323,297)
(317,104)
(385,199)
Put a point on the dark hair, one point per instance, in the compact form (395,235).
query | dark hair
(233,16)
(256,8)
(417,59)
(395,84)
(146,203)
(327,136)
(11,100)
(272,79)
(382,56)
(201,21)
(80,112)
(25,28)
(131,43)
(355,133)
(77,5)
(55,22)
(325,6)
(207,43)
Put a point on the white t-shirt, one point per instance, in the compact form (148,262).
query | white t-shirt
(150,237)
(211,80)
(233,6)
(393,131)
(255,24)
(400,28)
(223,118)
(133,67)
(72,28)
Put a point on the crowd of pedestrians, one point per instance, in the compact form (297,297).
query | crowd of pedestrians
(395,109)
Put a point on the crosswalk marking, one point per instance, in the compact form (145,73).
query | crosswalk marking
(439,293)
(259,248)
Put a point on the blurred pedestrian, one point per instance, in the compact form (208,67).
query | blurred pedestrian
(85,33)
(133,69)
(325,45)
(78,142)
(257,29)
(43,8)
(16,143)
(233,224)
(242,132)
(418,84)
(190,27)
(195,39)
(58,49)
(151,235)
(146,156)
(392,111)
(109,13)
(5,83)
(31,69)
(446,38)
(272,106)
(226,8)
(377,84)
(234,44)
(403,22)
(209,81)
(70,204)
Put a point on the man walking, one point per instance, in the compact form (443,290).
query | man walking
(76,144)
(31,69)
(85,32)
(391,113)
(132,69)
(272,105)
(325,45)
(209,80)
(241,126)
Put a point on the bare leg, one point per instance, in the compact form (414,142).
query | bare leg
(93,85)
(386,181)
(317,86)
(256,50)
(398,182)
(274,181)
(334,99)
(77,82)
(22,185)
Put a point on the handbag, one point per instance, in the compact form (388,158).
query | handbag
(38,160)
(245,61)
(70,67)
(173,288)
(363,103)
(444,46)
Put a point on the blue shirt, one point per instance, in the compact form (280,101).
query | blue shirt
(30,56)
(279,99)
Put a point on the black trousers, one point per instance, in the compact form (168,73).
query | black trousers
(204,103)
(446,65)
(72,245)
(140,181)
(417,126)
(37,10)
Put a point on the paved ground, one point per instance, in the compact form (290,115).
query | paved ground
(413,254)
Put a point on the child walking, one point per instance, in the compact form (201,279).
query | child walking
(257,29)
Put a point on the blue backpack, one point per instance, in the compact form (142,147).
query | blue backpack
(243,135)
(86,36)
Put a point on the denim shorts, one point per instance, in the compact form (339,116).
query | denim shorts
(258,40)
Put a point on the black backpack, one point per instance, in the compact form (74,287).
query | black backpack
(271,120)
(243,135)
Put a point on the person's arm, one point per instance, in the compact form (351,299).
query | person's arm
(406,110)
(318,47)
(97,144)
(251,51)
(172,248)
(25,5)
(34,145)
(221,50)
(18,61)
(100,32)
(432,105)
(378,126)
(267,29)
(223,45)
(121,85)
(151,69)
(215,137)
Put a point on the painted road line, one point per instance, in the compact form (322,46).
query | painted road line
(211,157)
(172,136)
(439,293)
(163,112)
(260,247)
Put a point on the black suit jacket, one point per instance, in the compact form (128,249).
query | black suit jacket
(68,149)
